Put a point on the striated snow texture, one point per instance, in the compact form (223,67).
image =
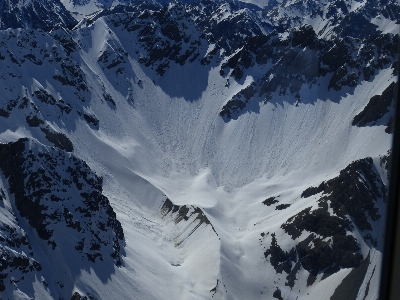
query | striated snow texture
(196,149)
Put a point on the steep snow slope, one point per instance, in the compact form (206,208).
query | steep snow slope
(230,168)
(224,158)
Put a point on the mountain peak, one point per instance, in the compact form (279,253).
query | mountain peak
(35,14)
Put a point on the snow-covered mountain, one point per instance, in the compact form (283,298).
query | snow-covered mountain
(35,14)
(195,150)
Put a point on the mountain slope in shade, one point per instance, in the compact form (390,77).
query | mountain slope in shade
(75,221)
(196,150)
(82,8)
(35,14)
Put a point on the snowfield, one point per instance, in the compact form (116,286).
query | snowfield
(186,185)
(184,150)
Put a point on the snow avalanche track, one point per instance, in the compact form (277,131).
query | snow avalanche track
(165,136)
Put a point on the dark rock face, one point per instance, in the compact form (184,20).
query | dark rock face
(64,37)
(231,32)
(34,176)
(337,13)
(282,206)
(355,25)
(303,58)
(163,36)
(92,119)
(270,201)
(34,121)
(29,50)
(38,14)
(10,105)
(180,33)
(184,213)
(386,162)
(77,296)
(58,139)
(14,247)
(72,75)
(315,255)
(17,263)
(280,260)
(318,221)
(115,59)
(340,252)
(34,118)
(277,294)
(353,196)
(377,107)
(238,102)
(355,192)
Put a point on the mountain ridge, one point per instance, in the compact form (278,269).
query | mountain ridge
(182,121)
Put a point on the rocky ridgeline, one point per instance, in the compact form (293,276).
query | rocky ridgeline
(164,36)
(337,13)
(25,98)
(181,33)
(377,108)
(186,213)
(35,14)
(17,264)
(236,38)
(324,237)
(239,39)
(301,59)
(57,193)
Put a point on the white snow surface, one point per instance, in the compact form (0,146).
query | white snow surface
(171,141)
